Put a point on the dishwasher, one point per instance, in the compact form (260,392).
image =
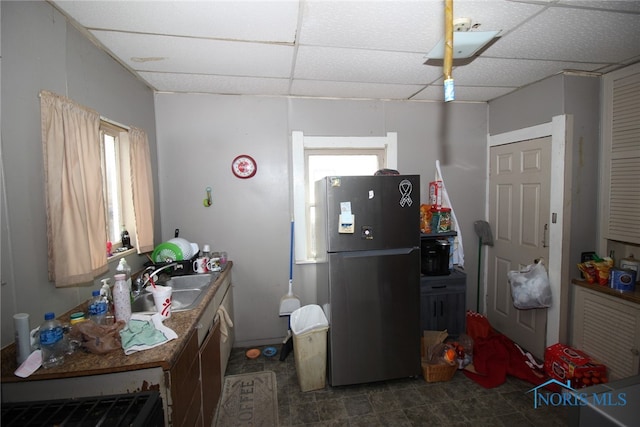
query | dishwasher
(142,409)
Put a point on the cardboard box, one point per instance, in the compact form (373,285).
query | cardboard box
(435,194)
(429,340)
(435,372)
(566,363)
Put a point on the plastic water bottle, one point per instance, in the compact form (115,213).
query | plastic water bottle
(107,295)
(52,341)
(121,299)
(98,307)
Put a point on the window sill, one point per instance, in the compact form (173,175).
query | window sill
(116,256)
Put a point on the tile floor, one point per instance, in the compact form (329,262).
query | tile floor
(403,402)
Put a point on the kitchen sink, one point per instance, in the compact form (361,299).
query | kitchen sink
(186,295)
(194,281)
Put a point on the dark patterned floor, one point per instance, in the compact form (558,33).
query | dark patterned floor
(404,402)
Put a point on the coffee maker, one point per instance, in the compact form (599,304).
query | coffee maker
(435,257)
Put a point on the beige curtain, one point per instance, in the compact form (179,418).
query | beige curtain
(142,188)
(76,224)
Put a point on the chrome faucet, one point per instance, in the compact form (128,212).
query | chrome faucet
(146,276)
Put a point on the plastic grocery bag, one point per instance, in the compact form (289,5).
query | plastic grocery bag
(458,250)
(530,287)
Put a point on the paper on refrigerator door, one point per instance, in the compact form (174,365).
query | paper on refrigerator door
(347,219)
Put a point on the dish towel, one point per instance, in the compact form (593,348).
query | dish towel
(225,323)
(144,332)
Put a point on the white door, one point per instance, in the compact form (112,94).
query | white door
(519,200)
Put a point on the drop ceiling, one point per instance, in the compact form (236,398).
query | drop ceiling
(355,49)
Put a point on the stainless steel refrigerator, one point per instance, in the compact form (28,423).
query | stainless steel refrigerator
(368,244)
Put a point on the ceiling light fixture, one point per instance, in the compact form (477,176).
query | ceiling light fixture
(465,43)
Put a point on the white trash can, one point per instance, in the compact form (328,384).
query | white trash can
(309,326)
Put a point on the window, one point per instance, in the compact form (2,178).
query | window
(116,183)
(317,157)
(325,162)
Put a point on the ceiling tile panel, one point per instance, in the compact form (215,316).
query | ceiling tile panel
(358,65)
(511,72)
(352,90)
(628,5)
(573,35)
(383,25)
(186,55)
(463,93)
(198,83)
(270,21)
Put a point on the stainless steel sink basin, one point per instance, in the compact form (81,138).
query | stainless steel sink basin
(187,293)
(195,281)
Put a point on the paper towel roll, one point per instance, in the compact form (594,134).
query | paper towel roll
(23,341)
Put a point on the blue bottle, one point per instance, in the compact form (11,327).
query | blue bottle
(52,341)
(98,308)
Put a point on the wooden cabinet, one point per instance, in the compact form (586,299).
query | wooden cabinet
(607,328)
(442,302)
(196,378)
(211,374)
(185,386)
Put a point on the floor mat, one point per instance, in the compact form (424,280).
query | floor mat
(249,399)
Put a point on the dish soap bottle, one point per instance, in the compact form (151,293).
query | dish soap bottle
(121,299)
(52,341)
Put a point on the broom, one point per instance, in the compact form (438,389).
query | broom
(289,303)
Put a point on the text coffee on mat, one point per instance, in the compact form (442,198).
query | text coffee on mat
(249,400)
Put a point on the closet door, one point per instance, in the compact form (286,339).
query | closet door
(621,156)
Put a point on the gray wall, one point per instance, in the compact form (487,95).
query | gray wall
(578,96)
(41,51)
(199,135)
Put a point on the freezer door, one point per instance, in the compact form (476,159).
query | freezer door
(374,315)
(385,209)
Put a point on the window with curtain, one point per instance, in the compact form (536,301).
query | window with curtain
(76,199)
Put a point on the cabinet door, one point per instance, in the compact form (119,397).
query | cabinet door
(454,312)
(185,385)
(210,371)
(440,311)
(429,313)
(608,329)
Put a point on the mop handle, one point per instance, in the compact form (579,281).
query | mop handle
(291,254)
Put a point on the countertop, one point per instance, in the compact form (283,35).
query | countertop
(627,296)
(82,363)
